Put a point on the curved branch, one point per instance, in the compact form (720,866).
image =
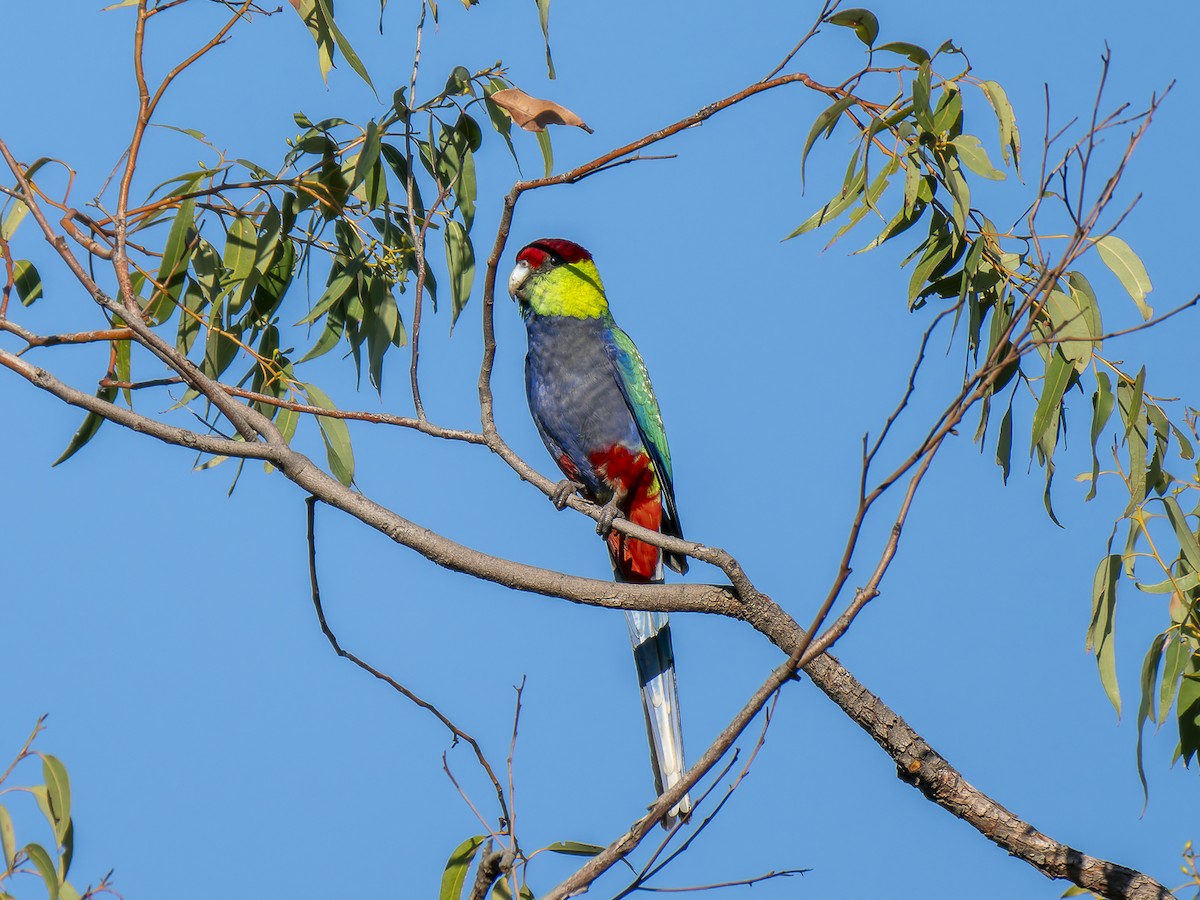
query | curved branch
(458,733)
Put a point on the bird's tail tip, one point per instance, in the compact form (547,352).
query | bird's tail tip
(680,812)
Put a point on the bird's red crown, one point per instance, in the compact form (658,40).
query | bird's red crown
(539,251)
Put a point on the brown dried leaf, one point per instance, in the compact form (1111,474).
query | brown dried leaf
(534,114)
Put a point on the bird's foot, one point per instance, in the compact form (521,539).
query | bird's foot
(608,514)
(562,492)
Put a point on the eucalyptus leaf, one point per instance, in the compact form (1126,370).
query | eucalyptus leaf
(1100,635)
(1126,265)
(335,434)
(454,876)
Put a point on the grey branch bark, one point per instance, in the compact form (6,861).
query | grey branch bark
(493,864)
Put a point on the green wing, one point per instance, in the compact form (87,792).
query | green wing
(634,381)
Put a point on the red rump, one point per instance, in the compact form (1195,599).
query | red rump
(633,476)
(565,251)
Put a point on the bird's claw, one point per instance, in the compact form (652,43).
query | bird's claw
(608,514)
(562,492)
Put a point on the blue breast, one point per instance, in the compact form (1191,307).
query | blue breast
(573,394)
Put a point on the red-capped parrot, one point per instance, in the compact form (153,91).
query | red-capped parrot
(591,399)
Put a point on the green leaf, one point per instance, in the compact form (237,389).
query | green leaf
(1170,585)
(1085,299)
(1129,402)
(1183,533)
(220,345)
(58,788)
(1099,639)
(901,222)
(1145,706)
(190,317)
(15,215)
(1004,445)
(368,156)
(336,436)
(960,191)
(91,424)
(64,861)
(465,189)
(543,139)
(275,280)
(863,21)
(45,866)
(268,250)
(834,208)
(1069,331)
(1010,137)
(8,839)
(454,876)
(177,253)
(947,118)
(1175,660)
(1126,265)
(972,154)
(27,281)
(501,120)
(574,848)
(460,259)
(381,321)
(869,198)
(825,123)
(1189,713)
(458,82)
(915,53)
(1058,375)
(343,44)
(335,327)
(1185,446)
(939,254)
(922,110)
(241,248)
(1102,407)
(918,188)
(338,285)
(543,8)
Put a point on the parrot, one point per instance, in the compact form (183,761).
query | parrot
(590,397)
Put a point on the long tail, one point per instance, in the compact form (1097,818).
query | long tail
(651,636)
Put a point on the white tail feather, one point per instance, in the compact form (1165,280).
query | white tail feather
(651,636)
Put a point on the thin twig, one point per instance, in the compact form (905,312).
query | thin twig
(426,427)
(418,234)
(826,10)
(458,733)
(512,788)
(38,728)
(783,873)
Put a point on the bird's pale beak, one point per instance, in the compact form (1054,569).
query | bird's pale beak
(517,278)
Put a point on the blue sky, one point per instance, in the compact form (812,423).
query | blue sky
(216,744)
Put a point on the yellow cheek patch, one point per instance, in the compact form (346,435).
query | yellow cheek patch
(572,289)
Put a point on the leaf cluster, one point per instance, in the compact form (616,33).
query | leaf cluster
(46,861)
(1031,329)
